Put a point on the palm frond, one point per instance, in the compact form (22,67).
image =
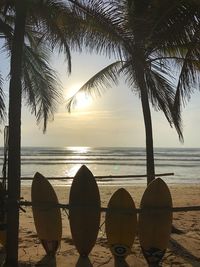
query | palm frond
(102,22)
(129,72)
(188,80)
(189,73)
(40,84)
(61,31)
(98,83)
(5,30)
(173,22)
(161,94)
(2,104)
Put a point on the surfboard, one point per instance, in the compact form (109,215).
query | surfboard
(155,225)
(84,211)
(121,223)
(48,222)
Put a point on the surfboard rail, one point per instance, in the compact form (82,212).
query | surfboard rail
(121,223)
(84,211)
(155,222)
(47,219)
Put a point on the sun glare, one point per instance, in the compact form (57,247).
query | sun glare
(82,100)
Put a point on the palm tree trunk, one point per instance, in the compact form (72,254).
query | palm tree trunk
(14,150)
(149,135)
(139,59)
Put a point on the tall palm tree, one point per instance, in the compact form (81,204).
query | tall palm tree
(41,90)
(149,39)
(48,22)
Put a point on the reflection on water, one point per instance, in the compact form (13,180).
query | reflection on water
(78,149)
(70,172)
(65,161)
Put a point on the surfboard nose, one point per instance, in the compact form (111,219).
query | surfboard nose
(38,176)
(83,171)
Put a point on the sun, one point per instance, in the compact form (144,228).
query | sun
(82,99)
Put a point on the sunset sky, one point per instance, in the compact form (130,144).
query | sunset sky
(114,119)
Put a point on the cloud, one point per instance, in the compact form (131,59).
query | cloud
(85,115)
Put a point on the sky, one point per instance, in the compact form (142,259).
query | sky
(114,119)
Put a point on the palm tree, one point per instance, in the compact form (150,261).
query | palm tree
(40,89)
(149,39)
(35,23)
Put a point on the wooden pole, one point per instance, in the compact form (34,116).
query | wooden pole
(103,176)
(104,209)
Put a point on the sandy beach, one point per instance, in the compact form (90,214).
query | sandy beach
(183,250)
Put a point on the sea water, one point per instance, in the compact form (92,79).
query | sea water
(106,161)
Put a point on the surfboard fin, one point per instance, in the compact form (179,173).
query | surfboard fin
(50,247)
(153,256)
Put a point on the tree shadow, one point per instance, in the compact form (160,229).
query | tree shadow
(47,261)
(178,249)
(2,256)
(84,262)
(120,262)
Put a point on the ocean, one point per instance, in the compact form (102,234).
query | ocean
(109,161)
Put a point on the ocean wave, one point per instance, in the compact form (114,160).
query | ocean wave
(109,161)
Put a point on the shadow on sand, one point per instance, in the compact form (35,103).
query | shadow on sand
(47,261)
(178,249)
(2,256)
(120,262)
(84,262)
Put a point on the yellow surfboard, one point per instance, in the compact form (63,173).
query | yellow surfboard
(155,221)
(47,219)
(84,211)
(121,223)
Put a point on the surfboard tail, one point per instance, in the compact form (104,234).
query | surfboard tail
(153,256)
(50,247)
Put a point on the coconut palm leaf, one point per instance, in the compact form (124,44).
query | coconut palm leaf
(161,95)
(189,75)
(98,83)
(173,21)
(2,105)
(61,31)
(40,83)
(5,29)
(104,34)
